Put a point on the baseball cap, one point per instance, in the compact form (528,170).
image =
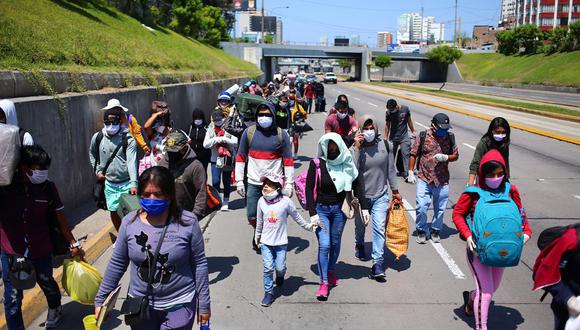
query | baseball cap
(441,120)
(175,141)
(224,96)
(273,177)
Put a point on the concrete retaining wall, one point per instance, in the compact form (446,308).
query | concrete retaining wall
(66,134)
(422,71)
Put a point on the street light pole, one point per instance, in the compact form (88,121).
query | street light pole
(455,26)
(262,21)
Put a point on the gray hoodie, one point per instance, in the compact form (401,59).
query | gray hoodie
(9,110)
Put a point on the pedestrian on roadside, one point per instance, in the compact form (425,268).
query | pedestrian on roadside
(223,148)
(332,178)
(557,271)
(309,96)
(224,103)
(157,127)
(432,153)
(272,232)
(190,176)
(129,122)
(342,98)
(487,279)
(341,123)
(8,116)
(374,160)
(27,206)
(121,175)
(197,131)
(175,280)
(497,137)
(298,116)
(320,100)
(293,93)
(266,149)
(398,122)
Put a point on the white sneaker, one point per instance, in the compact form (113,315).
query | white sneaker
(53,317)
(225,206)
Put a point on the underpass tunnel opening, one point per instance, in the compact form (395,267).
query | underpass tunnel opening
(345,66)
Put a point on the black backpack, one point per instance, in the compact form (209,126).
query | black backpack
(549,235)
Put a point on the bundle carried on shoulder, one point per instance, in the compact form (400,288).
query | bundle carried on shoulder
(9,152)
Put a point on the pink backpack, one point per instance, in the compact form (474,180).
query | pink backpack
(300,184)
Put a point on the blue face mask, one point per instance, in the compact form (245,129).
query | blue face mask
(441,132)
(154,206)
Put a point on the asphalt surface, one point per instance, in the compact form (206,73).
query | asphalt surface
(423,288)
(517,94)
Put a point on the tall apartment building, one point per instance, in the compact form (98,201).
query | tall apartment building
(547,14)
(384,39)
(413,27)
(508,13)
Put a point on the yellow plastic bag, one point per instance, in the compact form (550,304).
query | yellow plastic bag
(81,281)
(397,231)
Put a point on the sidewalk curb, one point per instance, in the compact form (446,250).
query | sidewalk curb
(34,303)
(483,117)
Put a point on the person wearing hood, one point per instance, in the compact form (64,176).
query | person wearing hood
(492,170)
(341,123)
(266,149)
(374,160)
(8,116)
(497,137)
(342,98)
(328,180)
(157,127)
(28,204)
(272,232)
(190,176)
(129,122)
(433,157)
(121,175)
(223,147)
(197,131)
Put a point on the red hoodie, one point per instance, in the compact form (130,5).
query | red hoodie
(467,201)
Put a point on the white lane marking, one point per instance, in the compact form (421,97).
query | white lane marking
(374,105)
(418,123)
(451,264)
(577,196)
(469,146)
(356,98)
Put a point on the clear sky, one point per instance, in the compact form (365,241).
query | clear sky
(308,20)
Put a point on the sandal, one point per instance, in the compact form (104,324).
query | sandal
(467,303)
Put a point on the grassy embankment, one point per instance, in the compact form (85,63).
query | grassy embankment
(560,69)
(89,36)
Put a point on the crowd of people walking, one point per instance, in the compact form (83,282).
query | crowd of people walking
(252,152)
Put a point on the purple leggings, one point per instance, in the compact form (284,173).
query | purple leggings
(179,319)
(487,280)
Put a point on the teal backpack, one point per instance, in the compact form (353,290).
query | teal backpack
(496,227)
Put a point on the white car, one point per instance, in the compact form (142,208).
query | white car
(330,77)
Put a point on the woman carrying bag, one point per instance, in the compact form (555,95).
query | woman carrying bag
(164,245)
(329,179)
(375,162)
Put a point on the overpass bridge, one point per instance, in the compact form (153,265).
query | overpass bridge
(405,66)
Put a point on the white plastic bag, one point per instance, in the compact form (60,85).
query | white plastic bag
(573,322)
(9,152)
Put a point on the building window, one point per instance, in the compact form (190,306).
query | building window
(547,8)
(563,8)
(547,21)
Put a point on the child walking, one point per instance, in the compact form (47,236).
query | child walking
(272,232)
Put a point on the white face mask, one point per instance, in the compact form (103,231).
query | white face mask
(369,135)
(198,122)
(218,123)
(342,115)
(499,137)
(38,176)
(160,129)
(112,129)
(271,195)
(283,104)
(265,122)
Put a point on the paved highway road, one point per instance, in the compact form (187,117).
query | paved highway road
(423,289)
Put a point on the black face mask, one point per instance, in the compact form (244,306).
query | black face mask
(332,155)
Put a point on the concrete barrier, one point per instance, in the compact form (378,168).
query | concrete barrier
(64,126)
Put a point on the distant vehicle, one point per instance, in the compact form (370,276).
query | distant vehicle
(310,78)
(330,77)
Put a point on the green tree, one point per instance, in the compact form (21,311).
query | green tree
(204,23)
(528,37)
(559,41)
(507,42)
(574,35)
(383,61)
(444,56)
(268,39)
(345,64)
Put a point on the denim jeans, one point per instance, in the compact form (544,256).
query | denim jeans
(319,103)
(309,105)
(13,297)
(378,208)
(329,235)
(404,147)
(273,258)
(440,196)
(226,178)
(253,194)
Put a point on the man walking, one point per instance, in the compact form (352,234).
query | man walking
(433,151)
(398,121)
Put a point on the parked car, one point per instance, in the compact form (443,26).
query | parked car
(311,78)
(330,77)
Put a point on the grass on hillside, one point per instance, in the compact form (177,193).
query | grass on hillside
(87,35)
(560,69)
(531,106)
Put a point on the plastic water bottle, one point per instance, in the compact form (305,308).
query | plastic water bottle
(204,326)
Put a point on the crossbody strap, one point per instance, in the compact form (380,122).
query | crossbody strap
(110,160)
(154,266)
